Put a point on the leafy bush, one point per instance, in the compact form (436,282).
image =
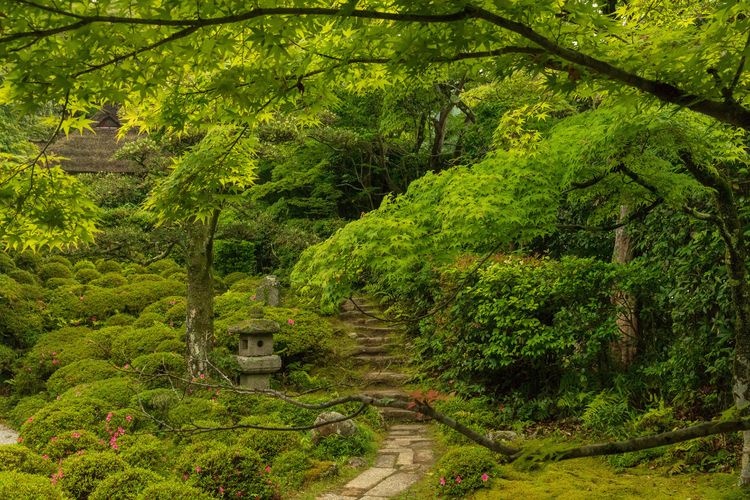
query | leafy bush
(87,275)
(23,276)
(54,270)
(169,490)
(234,256)
(135,342)
(79,372)
(108,266)
(465,469)
(125,485)
(6,263)
(120,319)
(289,468)
(20,486)
(53,283)
(63,416)
(156,367)
(84,264)
(117,391)
(337,446)
(163,266)
(110,280)
(268,443)
(608,413)
(81,474)
(146,451)
(18,458)
(157,402)
(479,414)
(68,443)
(191,409)
(59,259)
(137,296)
(235,471)
(26,407)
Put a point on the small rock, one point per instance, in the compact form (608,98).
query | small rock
(502,435)
(356,462)
(343,428)
(268,291)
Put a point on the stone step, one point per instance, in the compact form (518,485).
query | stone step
(388,393)
(374,330)
(357,318)
(390,379)
(381,348)
(366,340)
(370,308)
(379,361)
(399,415)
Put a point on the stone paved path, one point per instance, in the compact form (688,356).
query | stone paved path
(407,452)
(8,435)
(405,456)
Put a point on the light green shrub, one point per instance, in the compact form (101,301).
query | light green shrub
(268,444)
(108,266)
(246,285)
(54,270)
(191,409)
(146,451)
(157,402)
(116,391)
(6,263)
(23,276)
(462,470)
(79,372)
(54,283)
(110,280)
(120,319)
(26,407)
(63,416)
(68,443)
(146,320)
(171,345)
(87,275)
(125,485)
(83,473)
(155,368)
(289,468)
(337,446)
(18,458)
(20,486)
(138,295)
(84,264)
(134,342)
(59,259)
(169,490)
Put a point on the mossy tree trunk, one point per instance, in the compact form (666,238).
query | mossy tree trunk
(623,349)
(199,322)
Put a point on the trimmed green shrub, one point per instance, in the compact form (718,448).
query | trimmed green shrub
(108,266)
(23,276)
(289,468)
(66,444)
(157,402)
(169,490)
(84,264)
(233,278)
(110,280)
(6,263)
(246,285)
(28,260)
(171,345)
(60,260)
(54,270)
(83,473)
(146,320)
(63,416)
(465,469)
(162,266)
(145,450)
(191,409)
(337,447)
(79,372)
(125,485)
(234,256)
(134,342)
(158,366)
(18,458)
(20,486)
(235,471)
(54,283)
(117,391)
(120,319)
(87,275)
(26,407)
(137,296)
(133,268)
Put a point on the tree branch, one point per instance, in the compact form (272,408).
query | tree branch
(632,217)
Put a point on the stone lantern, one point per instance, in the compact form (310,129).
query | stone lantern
(256,358)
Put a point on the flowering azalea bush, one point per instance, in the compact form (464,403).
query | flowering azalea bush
(465,469)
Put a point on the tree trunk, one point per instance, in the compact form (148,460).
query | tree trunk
(623,350)
(440,123)
(199,323)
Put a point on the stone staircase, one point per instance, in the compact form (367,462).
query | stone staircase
(380,353)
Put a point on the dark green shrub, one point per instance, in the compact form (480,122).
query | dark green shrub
(157,367)
(157,402)
(26,407)
(68,443)
(169,490)
(268,444)
(84,264)
(191,409)
(53,283)
(607,414)
(133,268)
(18,458)
(110,280)
(234,256)
(7,359)
(54,270)
(171,345)
(87,275)
(137,296)
(83,473)
(108,266)
(162,266)
(79,372)
(125,485)
(214,467)
(20,486)
(120,319)
(480,414)
(135,342)
(23,276)
(150,277)
(149,319)
(465,469)
(63,416)
(28,260)
(59,259)
(247,285)
(233,278)
(6,263)
(338,447)
(289,468)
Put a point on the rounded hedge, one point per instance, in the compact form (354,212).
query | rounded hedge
(87,275)
(169,490)
(108,266)
(125,485)
(54,270)
(81,474)
(18,458)
(110,280)
(79,372)
(21,486)
(465,469)
(23,276)
(63,416)
(67,443)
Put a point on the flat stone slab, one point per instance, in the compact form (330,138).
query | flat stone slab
(405,458)
(370,478)
(394,485)
(8,435)
(332,496)
(423,456)
(385,460)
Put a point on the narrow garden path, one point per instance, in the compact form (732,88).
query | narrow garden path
(407,451)
(8,435)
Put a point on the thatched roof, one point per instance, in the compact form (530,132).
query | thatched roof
(93,151)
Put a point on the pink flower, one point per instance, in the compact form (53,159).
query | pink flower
(54,353)
(198,469)
(75,435)
(290,321)
(53,439)
(125,366)
(442,481)
(20,439)
(458,479)
(221,490)
(55,361)
(45,456)
(485,477)
(129,418)
(185,477)
(29,420)
(202,376)
(268,469)
(120,431)
(109,416)
(253,297)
